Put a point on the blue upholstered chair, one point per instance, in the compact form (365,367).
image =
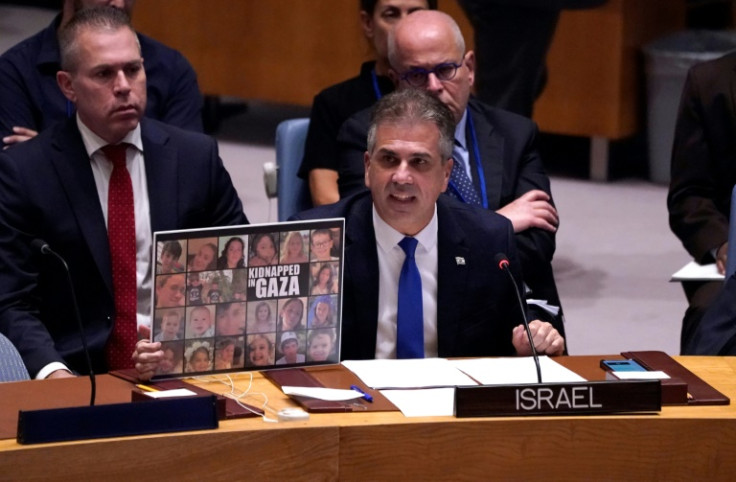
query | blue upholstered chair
(731,260)
(293,192)
(12,368)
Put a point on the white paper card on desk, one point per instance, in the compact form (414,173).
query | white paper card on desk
(329,394)
(697,272)
(177,392)
(426,402)
(414,373)
(514,370)
(648,375)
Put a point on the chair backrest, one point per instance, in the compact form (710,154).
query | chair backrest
(731,259)
(12,368)
(293,192)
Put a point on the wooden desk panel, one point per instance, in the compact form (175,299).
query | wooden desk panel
(625,448)
(288,50)
(281,51)
(596,68)
(225,454)
(685,443)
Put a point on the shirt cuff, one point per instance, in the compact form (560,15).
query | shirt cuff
(49,369)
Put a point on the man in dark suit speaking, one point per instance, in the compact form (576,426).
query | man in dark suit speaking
(94,188)
(420,278)
(496,162)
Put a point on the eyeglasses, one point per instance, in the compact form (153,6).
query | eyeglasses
(418,77)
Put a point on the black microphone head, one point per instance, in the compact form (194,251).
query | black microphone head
(40,245)
(502,261)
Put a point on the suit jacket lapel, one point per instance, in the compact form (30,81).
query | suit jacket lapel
(361,262)
(72,166)
(452,272)
(491,147)
(161,177)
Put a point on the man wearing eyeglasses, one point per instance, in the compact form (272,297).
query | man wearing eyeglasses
(497,165)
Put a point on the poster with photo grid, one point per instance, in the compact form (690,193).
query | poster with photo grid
(250,297)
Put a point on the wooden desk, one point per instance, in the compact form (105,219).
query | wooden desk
(680,443)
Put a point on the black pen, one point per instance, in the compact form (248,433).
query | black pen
(367,397)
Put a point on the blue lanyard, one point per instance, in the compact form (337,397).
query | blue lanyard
(478,165)
(376,90)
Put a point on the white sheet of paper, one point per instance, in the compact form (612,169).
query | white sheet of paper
(505,371)
(697,272)
(177,392)
(551,309)
(649,375)
(331,394)
(415,373)
(427,402)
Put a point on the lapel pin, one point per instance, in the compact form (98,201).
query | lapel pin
(460,260)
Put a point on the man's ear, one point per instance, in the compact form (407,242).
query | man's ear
(470,64)
(394,76)
(366,23)
(64,79)
(366,165)
(447,170)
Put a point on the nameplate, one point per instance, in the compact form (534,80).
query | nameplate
(579,398)
(117,420)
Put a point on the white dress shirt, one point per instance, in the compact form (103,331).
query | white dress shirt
(390,260)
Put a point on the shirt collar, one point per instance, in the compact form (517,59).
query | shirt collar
(460,130)
(387,237)
(93,142)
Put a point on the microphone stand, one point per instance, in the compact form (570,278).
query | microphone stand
(503,265)
(44,248)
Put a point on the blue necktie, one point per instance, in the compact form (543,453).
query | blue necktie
(461,186)
(410,320)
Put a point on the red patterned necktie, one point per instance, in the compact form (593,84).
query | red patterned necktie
(121,237)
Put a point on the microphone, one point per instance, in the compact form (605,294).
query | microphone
(503,265)
(43,247)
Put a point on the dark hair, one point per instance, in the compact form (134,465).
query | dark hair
(202,349)
(96,18)
(223,343)
(223,308)
(172,247)
(320,231)
(176,347)
(222,261)
(231,241)
(369,6)
(212,264)
(413,106)
(322,268)
(257,238)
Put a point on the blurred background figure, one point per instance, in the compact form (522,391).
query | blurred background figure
(512,38)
